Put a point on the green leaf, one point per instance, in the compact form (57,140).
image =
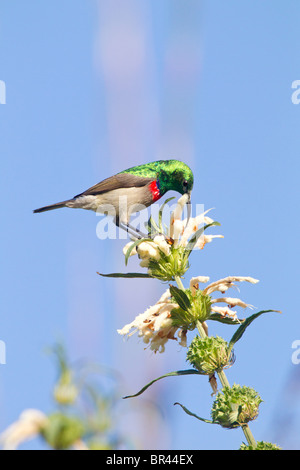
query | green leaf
(180,297)
(241,330)
(61,431)
(170,374)
(126,275)
(151,224)
(134,245)
(226,320)
(193,414)
(161,212)
(191,244)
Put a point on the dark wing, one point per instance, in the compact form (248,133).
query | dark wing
(121,180)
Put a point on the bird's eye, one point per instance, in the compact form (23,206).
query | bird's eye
(185,184)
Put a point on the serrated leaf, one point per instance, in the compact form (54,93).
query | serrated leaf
(241,330)
(193,414)
(191,244)
(170,374)
(126,275)
(134,245)
(180,297)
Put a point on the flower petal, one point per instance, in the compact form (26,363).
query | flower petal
(232,302)
(125,248)
(194,283)
(223,284)
(224,311)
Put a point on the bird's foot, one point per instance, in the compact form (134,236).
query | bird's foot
(138,234)
(133,231)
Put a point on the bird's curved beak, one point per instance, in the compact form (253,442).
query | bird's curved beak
(188,207)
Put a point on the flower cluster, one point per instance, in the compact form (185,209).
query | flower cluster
(82,414)
(149,250)
(222,285)
(155,325)
(166,254)
(181,230)
(160,322)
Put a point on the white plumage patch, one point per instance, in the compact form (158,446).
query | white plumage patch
(119,202)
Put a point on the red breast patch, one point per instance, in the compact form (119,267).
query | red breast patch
(154,190)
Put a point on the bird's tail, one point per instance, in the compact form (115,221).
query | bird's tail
(58,205)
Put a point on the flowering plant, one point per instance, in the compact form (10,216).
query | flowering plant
(83,414)
(165,254)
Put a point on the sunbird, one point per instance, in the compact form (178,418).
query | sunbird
(127,191)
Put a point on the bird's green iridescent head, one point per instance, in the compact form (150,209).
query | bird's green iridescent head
(176,176)
(171,174)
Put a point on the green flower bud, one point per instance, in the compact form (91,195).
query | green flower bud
(261,445)
(198,308)
(201,305)
(210,354)
(62,431)
(235,406)
(169,265)
(65,392)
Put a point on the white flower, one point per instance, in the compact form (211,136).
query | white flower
(194,283)
(224,311)
(232,302)
(155,325)
(177,213)
(29,425)
(178,234)
(162,244)
(151,250)
(190,227)
(182,230)
(223,284)
(127,246)
(147,250)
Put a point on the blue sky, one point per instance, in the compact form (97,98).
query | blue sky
(95,87)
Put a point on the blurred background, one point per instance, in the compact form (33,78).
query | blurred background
(93,88)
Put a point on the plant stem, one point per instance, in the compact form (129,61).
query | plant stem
(223,379)
(249,436)
(221,374)
(179,283)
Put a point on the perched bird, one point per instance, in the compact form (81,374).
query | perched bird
(128,191)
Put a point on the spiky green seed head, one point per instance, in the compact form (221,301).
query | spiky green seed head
(210,354)
(235,406)
(261,445)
